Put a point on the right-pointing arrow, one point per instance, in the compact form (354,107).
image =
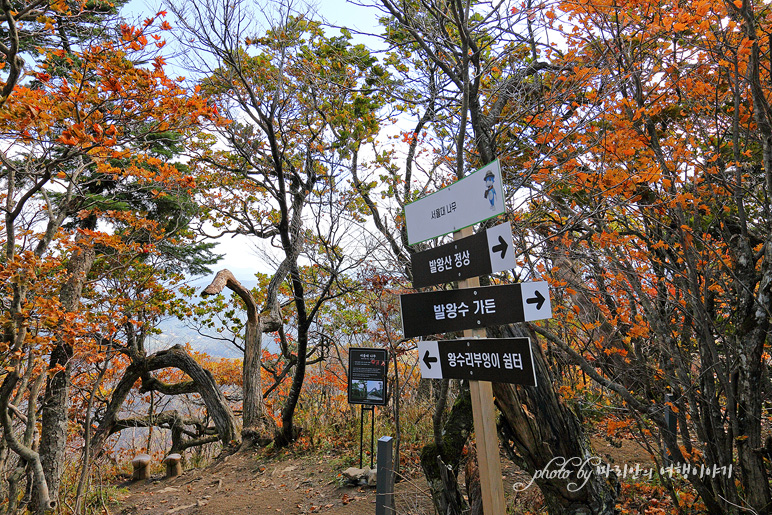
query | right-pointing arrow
(501,247)
(428,360)
(537,299)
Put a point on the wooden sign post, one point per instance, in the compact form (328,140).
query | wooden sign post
(456,208)
(484,414)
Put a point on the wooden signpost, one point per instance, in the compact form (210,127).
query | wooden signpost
(484,417)
(456,208)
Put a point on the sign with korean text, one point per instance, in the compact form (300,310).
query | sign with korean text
(455,310)
(501,360)
(367,369)
(484,253)
(468,201)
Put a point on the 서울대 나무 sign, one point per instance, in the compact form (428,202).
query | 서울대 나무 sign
(468,201)
(367,375)
(454,310)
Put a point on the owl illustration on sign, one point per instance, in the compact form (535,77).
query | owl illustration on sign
(490,190)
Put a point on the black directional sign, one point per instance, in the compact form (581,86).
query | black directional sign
(481,254)
(454,310)
(367,370)
(502,360)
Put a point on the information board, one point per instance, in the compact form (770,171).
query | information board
(367,372)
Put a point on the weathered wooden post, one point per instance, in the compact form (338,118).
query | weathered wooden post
(484,415)
(384,488)
(141,465)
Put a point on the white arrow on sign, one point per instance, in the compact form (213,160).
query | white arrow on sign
(536,300)
(429,356)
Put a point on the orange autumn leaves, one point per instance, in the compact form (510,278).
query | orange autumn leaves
(81,127)
(101,96)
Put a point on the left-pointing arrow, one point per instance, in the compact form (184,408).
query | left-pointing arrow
(428,360)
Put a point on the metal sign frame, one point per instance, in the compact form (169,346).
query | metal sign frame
(368,370)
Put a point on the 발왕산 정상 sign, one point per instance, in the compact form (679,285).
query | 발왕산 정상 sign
(483,253)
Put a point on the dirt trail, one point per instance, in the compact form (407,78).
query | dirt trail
(252,483)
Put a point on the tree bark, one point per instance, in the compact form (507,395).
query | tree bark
(440,460)
(546,435)
(218,408)
(257,426)
(55,416)
(175,357)
(754,472)
(44,501)
(288,432)
(472,483)
(87,431)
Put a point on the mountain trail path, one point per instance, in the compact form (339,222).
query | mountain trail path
(250,482)
(259,482)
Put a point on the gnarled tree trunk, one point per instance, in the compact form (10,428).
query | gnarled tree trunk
(546,435)
(43,500)
(257,426)
(202,382)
